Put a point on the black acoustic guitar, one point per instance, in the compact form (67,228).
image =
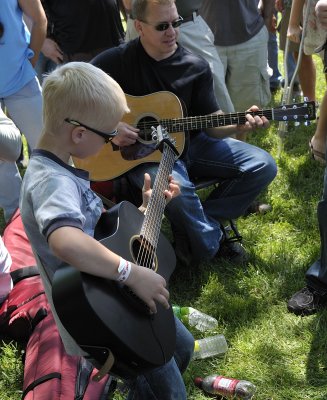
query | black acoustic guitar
(104,316)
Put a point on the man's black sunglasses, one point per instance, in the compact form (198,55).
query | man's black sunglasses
(163,26)
(106,136)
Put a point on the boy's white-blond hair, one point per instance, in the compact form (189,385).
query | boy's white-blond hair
(83,92)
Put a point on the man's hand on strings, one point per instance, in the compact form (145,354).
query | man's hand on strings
(253,121)
(127,135)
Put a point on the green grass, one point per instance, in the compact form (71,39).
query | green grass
(283,355)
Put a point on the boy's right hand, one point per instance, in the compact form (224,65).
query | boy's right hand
(148,286)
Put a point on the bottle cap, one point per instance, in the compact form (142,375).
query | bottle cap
(198,381)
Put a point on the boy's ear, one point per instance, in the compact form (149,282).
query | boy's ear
(78,134)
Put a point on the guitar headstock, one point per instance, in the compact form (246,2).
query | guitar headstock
(161,136)
(296,112)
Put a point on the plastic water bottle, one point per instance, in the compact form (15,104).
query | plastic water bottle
(210,346)
(192,317)
(226,387)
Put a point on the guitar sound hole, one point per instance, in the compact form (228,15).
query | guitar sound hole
(144,125)
(143,254)
(145,146)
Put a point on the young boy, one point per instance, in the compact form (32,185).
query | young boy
(82,106)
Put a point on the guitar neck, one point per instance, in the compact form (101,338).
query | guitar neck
(213,121)
(152,221)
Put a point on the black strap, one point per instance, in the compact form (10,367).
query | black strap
(84,372)
(45,378)
(39,316)
(22,273)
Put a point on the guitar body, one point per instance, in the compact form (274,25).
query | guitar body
(113,161)
(101,314)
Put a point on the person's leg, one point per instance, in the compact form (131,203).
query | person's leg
(197,37)
(252,87)
(316,275)
(318,141)
(314,295)
(10,183)
(307,76)
(276,77)
(25,109)
(185,212)
(245,171)
(166,383)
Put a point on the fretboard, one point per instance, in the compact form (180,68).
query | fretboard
(212,121)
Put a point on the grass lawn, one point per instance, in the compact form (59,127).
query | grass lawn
(283,355)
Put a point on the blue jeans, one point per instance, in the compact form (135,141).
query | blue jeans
(44,65)
(166,383)
(316,275)
(276,77)
(25,109)
(245,170)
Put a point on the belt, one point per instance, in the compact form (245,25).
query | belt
(191,17)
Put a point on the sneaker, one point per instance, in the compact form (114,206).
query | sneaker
(306,302)
(231,248)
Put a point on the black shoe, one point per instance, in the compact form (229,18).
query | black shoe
(231,248)
(306,302)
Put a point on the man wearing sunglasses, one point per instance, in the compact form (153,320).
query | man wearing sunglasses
(196,36)
(156,62)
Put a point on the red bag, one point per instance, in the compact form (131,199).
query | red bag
(49,372)
(26,304)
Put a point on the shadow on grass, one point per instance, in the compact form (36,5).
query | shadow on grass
(316,368)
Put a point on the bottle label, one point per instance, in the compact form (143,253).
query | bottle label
(225,385)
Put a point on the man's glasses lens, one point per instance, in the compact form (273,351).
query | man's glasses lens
(165,25)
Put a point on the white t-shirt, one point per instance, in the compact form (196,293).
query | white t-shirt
(5,278)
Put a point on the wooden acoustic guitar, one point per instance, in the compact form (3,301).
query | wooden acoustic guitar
(106,318)
(165,109)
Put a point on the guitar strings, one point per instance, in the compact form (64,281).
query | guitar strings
(150,230)
(292,112)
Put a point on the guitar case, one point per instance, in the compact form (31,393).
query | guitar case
(25,316)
